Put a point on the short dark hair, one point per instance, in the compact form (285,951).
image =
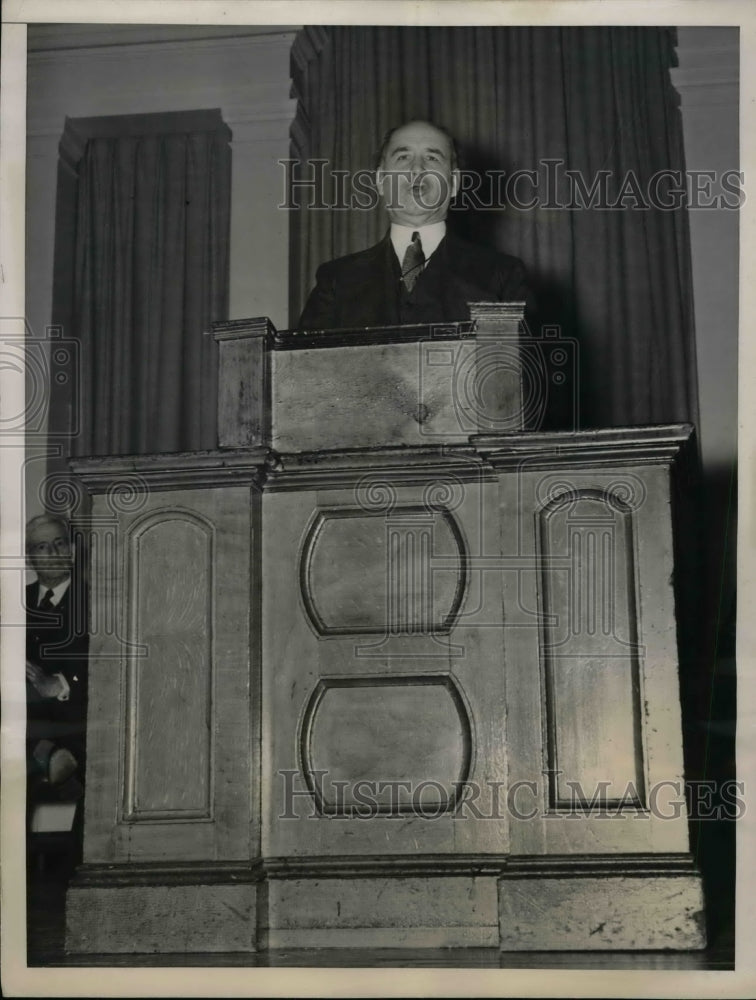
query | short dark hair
(453,146)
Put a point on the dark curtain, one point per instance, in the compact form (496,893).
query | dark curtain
(150,274)
(594,99)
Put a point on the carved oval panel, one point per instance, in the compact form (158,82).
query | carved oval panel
(386,745)
(372,572)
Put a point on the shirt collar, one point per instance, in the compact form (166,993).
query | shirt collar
(57,592)
(430,237)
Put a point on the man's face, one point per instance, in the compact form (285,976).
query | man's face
(49,551)
(416,179)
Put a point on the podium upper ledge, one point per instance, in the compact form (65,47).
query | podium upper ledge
(487,318)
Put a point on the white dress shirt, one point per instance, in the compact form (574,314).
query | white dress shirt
(430,237)
(57,592)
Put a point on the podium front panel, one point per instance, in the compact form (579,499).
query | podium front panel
(384,688)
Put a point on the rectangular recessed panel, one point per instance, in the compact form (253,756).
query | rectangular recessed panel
(590,653)
(361,396)
(168,771)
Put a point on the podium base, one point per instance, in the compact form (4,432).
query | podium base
(383,912)
(601,905)
(173,910)
(622,903)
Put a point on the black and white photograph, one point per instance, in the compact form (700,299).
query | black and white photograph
(369,429)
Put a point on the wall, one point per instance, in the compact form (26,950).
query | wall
(77,71)
(707,81)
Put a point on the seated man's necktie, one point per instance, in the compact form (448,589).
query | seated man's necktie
(47,603)
(413,263)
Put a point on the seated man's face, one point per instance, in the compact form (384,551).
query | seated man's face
(49,551)
(416,179)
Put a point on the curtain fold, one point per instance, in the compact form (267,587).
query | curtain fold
(586,100)
(151,274)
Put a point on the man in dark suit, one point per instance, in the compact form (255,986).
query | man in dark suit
(56,654)
(420,272)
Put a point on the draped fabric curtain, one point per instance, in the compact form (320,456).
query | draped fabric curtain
(550,100)
(150,274)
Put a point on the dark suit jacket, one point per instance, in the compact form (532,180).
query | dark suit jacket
(365,289)
(57,641)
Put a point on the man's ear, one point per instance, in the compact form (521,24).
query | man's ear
(455,176)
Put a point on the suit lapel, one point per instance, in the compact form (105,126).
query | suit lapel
(450,278)
(373,291)
(466,281)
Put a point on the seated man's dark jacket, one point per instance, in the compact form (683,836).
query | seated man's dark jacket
(365,289)
(57,641)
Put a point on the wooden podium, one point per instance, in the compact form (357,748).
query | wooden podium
(385,669)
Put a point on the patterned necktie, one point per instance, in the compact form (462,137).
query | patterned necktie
(46,603)
(414,260)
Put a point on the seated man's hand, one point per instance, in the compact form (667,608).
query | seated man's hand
(45,685)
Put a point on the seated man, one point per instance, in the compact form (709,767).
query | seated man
(56,655)
(421,272)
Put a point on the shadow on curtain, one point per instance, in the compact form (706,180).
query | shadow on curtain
(594,101)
